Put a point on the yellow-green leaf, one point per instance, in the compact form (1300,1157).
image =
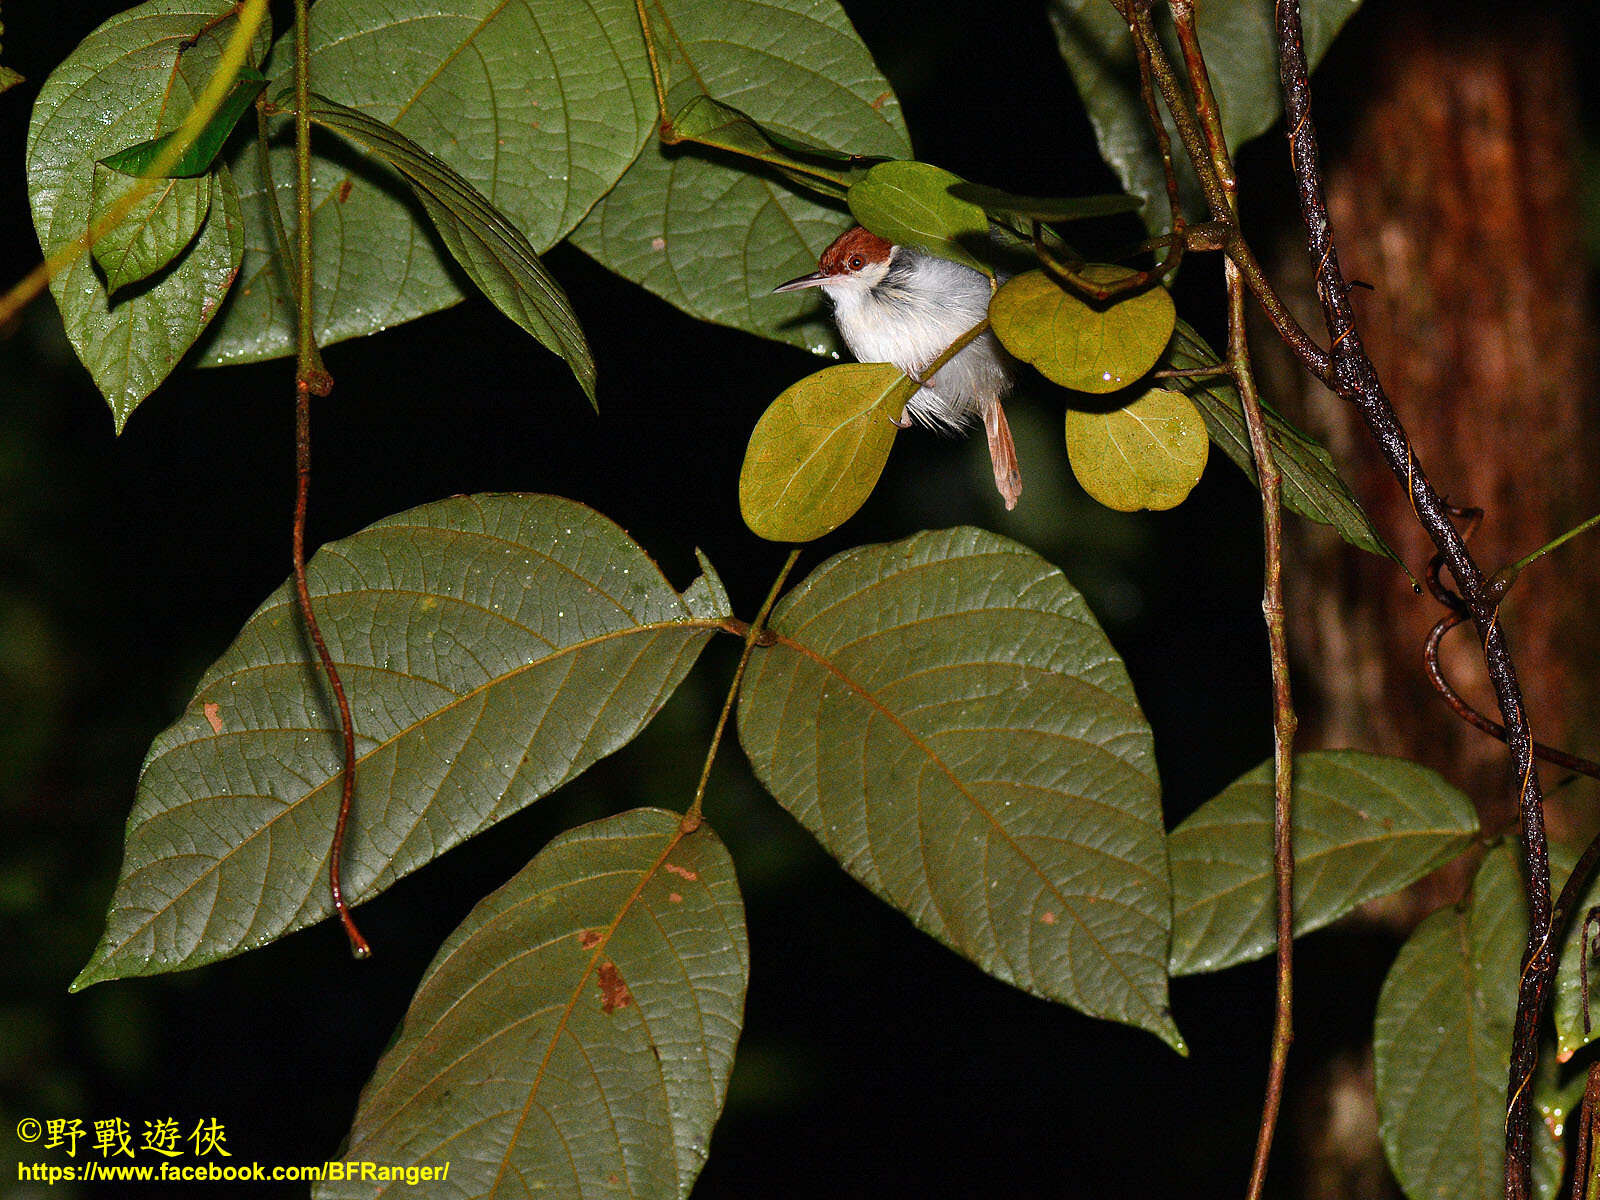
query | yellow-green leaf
(910,204)
(817,452)
(202,153)
(1148,454)
(1087,347)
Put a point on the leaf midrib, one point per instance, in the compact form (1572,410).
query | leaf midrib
(294,806)
(1134,988)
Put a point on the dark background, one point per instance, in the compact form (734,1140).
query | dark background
(873,1061)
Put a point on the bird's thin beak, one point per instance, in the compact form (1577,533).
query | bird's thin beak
(815,279)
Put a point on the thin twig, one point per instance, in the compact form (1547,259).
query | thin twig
(269,196)
(312,379)
(1471,518)
(1175,242)
(1210,372)
(1463,708)
(1357,382)
(1315,359)
(1284,720)
(755,634)
(1585,1162)
(1590,919)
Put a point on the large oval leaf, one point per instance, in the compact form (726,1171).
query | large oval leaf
(575,1035)
(948,720)
(713,238)
(492,646)
(1087,347)
(541,107)
(1364,826)
(1442,1047)
(1150,453)
(125,83)
(816,453)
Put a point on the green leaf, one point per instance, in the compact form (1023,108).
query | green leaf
(493,647)
(1442,1046)
(1241,57)
(1149,453)
(157,229)
(202,152)
(948,720)
(817,452)
(910,203)
(1045,208)
(8,78)
(125,82)
(540,107)
(492,251)
(706,597)
(1087,347)
(1312,486)
(709,235)
(708,122)
(1570,1034)
(1364,826)
(575,1034)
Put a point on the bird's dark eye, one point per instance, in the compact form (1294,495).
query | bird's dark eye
(857,262)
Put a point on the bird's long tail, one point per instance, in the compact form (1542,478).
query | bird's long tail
(1002,453)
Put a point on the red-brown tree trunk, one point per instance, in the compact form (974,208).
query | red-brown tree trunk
(1455,196)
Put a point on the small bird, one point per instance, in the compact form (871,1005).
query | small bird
(901,305)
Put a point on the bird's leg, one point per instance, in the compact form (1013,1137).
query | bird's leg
(1002,453)
(904,419)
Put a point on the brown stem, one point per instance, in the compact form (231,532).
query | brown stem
(1590,918)
(347,779)
(1471,518)
(1588,1116)
(1190,133)
(1210,372)
(1464,709)
(1357,381)
(1284,720)
(1100,291)
(311,378)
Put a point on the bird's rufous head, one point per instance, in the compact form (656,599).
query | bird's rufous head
(855,258)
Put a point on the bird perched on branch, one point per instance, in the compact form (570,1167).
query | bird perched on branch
(901,305)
